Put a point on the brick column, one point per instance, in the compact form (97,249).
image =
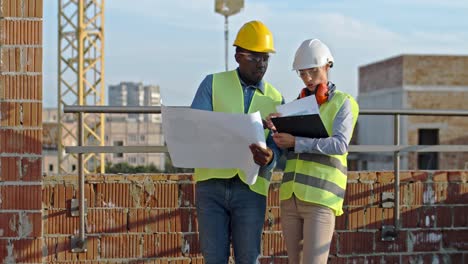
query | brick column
(20,130)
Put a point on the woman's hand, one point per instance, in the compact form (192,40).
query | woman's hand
(268,122)
(284,140)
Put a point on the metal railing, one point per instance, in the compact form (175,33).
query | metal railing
(396,149)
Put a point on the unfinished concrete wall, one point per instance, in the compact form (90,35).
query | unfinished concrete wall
(438,82)
(414,82)
(451,130)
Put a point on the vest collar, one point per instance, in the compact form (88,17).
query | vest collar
(260,85)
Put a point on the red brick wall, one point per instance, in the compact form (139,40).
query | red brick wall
(20,130)
(152,218)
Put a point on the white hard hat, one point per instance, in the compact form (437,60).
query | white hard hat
(312,53)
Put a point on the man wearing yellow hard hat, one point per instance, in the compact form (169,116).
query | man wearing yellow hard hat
(227,208)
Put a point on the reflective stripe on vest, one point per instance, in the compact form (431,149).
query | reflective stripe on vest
(330,161)
(314,182)
(320,178)
(228,97)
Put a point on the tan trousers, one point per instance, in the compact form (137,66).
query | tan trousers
(307,230)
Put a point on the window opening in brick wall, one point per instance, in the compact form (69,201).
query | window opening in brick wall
(428,160)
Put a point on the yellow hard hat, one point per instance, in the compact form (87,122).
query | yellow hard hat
(255,36)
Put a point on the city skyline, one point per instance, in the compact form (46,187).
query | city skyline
(158,42)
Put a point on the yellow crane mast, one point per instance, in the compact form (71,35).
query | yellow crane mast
(80,79)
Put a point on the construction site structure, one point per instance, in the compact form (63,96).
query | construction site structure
(81,79)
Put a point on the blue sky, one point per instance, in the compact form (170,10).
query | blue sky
(176,43)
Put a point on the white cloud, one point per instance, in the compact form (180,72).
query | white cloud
(351,41)
(176,43)
(354,44)
(188,15)
(435,3)
(158,7)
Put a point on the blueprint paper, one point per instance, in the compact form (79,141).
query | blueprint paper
(206,139)
(304,106)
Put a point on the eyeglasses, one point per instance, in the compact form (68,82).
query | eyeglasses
(312,72)
(255,58)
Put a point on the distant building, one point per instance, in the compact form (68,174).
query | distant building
(135,133)
(134,129)
(50,141)
(120,129)
(136,94)
(414,82)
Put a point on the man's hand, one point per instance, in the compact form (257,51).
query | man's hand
(284,140)
(268,124)
(261,156)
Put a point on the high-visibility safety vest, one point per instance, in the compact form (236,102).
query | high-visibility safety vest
(319,178)
(228,97)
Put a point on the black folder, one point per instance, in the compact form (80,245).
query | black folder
(309,126)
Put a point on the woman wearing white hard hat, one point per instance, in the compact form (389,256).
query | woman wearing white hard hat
(314,180)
